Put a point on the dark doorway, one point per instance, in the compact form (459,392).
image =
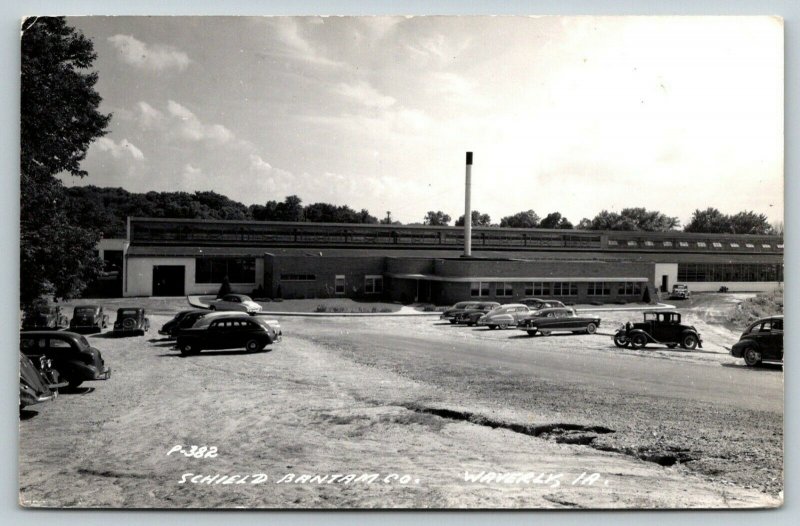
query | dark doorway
(168,280)
(664,283)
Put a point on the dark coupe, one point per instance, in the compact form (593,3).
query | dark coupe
(44,317)
(131,320)
(252,333)
(88,318)
(70,353)
(451,313)
(761,341)
(546,321)
(662,327)
(472,314)
(170,328)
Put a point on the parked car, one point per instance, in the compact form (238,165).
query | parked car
(33,387)
(505,316)
(252,333)
(761,341)
(662,327)
(131,320)
(169,328)
(680,292)
(456,309)
(88,318)
(75,360)
(537,303)
(236,302)
(471,314)
(45,317)
(546,321)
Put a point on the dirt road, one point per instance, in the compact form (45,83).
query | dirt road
(419,405)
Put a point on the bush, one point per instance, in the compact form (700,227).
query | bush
(225,288)
(339,308)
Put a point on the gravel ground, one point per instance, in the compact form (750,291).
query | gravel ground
(413,397)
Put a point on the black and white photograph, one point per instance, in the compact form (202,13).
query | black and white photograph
(401,262)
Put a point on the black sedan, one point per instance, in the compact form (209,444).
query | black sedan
(71,355)
(170,328)
(88,318)
(547,321)
(252,333)
(131,320)
(761,341)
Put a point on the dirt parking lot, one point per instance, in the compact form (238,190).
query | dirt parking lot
(430,410)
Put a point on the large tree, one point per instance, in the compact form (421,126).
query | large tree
(437,218)
(527,219)
(59,120)
(555,220)
(634,219)
(712,221)
(709,221)
(478,219)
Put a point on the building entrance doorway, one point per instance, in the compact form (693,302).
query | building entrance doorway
(168,280)
(664,283)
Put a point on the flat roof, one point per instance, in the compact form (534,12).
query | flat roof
(495,279)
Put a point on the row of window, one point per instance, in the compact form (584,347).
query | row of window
(557,288)
(687,244)
(373,284)
(298,277)
(215,270)
(730,272)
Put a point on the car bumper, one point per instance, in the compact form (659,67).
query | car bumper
(103,374)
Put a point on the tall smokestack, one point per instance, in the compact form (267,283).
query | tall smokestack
(468,209)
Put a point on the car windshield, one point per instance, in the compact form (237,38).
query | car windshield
(83,341)
(127,312)
(84,310)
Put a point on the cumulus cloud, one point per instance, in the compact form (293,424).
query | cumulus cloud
(287,31)
(119,149)
(364,93)
(148,115)
(189,127)
(154,57)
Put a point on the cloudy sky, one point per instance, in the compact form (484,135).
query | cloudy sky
(569,114)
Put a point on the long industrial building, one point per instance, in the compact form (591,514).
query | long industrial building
(172,257)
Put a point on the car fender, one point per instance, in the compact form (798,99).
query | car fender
(634,332)
(695,334)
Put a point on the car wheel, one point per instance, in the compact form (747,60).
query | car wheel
(253,345)
(672,345)
(471,323)
(453,321)
(188,349)
(531,333)
(689,342)
(74,384)
(591,328)
(638,341)
(213,307)
(545,333)
(492,327)
(620,340)
(751,357)
(503,326)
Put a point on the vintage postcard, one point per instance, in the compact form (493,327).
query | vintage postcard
(440,262)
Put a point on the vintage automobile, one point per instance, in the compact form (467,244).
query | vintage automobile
(44,317)
(761,341)
(33,387)
(88,318)
(537,303)
(680,291)
(131,320)
(456,309)
(471,314)
(505,316)
(235,302)
(662,327)
(75,360)
(252,333)
(169,328)
(546,321)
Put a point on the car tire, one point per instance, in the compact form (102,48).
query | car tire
(591,328)
(531,333)
(471,323)
(689,342)
(212,307)
(253,345)
(751,356)
(672,345)
(73,384)
(492,327)
(503,326)
(638,341)
(188,349)
(545,333)
(453,321)
(620,340)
